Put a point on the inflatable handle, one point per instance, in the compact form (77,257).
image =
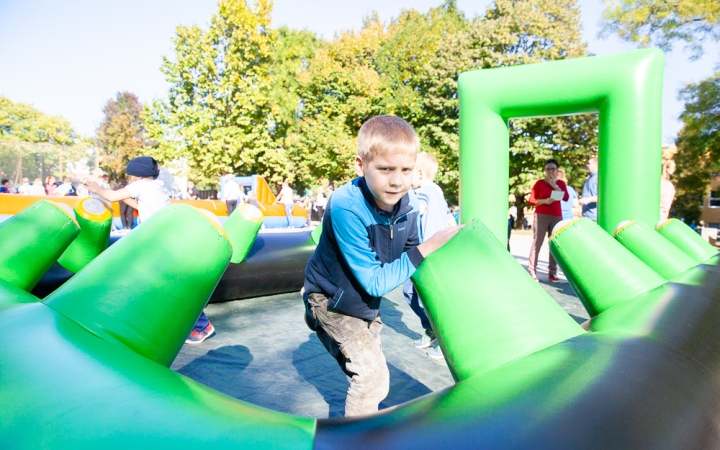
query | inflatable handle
(32,240)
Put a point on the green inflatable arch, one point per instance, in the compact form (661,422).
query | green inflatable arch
(626,91)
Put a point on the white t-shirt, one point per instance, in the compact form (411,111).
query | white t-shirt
(287,196)
(150,195)
(232,191)
(321,200)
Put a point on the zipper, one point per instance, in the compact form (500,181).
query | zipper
(392,224)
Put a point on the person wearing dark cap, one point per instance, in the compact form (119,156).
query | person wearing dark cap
(146,193)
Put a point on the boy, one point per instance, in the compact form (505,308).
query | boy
(434,216)
(370,244)
(146,194)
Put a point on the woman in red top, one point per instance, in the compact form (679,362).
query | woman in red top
(548,213)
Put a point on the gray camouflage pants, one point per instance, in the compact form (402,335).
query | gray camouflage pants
(355,344)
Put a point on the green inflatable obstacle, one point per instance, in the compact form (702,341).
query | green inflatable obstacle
(515,315)
(604,273)
(95,221)
(32,240)
(625,89)
(242,228)
(688,241)
(89,363)
(653,249)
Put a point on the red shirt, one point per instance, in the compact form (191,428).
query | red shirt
(542,190)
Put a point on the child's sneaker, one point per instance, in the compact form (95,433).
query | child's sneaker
(197,337)
(426,340)
(436,353)
(554,279)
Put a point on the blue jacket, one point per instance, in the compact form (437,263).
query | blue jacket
(364,252)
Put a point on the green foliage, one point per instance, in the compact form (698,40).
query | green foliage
(286,105)
(32,143)
(121,134)
(698,155)
(664,22)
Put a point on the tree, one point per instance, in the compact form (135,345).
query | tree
(664,22)
(218,113)
(512,32)
(698,155)
(121,134)
(33,143)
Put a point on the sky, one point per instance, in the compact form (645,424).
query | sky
(69,58)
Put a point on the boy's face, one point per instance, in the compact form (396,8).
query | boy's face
(388,177)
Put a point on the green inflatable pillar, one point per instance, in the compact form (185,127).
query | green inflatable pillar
(242,228)
(625,89)
(146,291)
(95,222)
(602,272)
(32,240)
(653,249)
(687,240)
(485,308)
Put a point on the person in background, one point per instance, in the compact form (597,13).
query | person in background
(104,181)
(232,195)
(435,216)
(667,190)
(65,189)
(568,207)
(286,198)
(547,214)
(82,190)
(5,187)
(308,203)
(24,188)
(320,203)
(193,193)
(512,217)
(50,185)
(590,191)
(37,187)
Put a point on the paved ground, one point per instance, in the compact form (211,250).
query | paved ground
(264,354)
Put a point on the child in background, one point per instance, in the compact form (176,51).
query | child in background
(146,193)
(434,216)
(370,244)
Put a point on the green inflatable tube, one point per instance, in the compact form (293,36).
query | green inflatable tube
(242,228)
(316,233)
(653,249)
(147,293)
(516,316)
(688,241)
(604,273)
(32,240)
(95,222)
(89,364)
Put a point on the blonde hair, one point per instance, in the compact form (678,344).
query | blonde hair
(428,163)
(386,135)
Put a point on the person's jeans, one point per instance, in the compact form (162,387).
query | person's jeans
(126,215)
(413,299)
(288,214)
(202,322)
(231,206)
(543,225)
(355,344)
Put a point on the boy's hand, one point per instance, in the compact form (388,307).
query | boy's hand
(438,240)
(92,186)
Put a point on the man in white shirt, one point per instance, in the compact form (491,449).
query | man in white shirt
(232,194)
(286,198)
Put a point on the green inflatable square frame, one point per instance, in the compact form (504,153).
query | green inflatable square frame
(625,89)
